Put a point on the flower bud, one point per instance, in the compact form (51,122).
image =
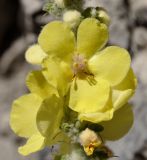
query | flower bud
(104,17)
(89,140)
(72,17)
(60,3)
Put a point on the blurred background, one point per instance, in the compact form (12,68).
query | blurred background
(20,23)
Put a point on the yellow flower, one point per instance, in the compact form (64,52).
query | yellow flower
(33,117)
(98,83)
(90,141)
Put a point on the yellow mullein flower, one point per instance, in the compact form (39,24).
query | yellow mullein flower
(98,83)
(33,117)
(90,141)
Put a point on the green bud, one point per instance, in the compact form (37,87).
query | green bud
(78,124)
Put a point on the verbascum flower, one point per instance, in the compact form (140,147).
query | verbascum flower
(94,82)
(98,82)
(37,116)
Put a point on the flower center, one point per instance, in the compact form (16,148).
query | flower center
(79,65)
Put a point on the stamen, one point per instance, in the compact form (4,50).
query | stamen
(79,64)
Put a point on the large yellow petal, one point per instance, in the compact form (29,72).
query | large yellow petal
(119,125)
(111,64)
(88,96)
(39,85)
(35,54)
(23,115)
(57,39)
(97,117)
(49,117)
(92,36)
(34,144)
(58,74)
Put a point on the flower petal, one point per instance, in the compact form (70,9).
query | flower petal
(39,85)
(35,54)
(58,74)
(57,39)
(120,98)
(34,144)
(49,117)
(98,117)
(129,82)
(119,125)
(92,36)
(124,91)
(88,97)
(111,64)
(23,115)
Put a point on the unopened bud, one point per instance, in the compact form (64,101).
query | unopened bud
(89,140)
(72,17)
(60,3)
(104,17)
